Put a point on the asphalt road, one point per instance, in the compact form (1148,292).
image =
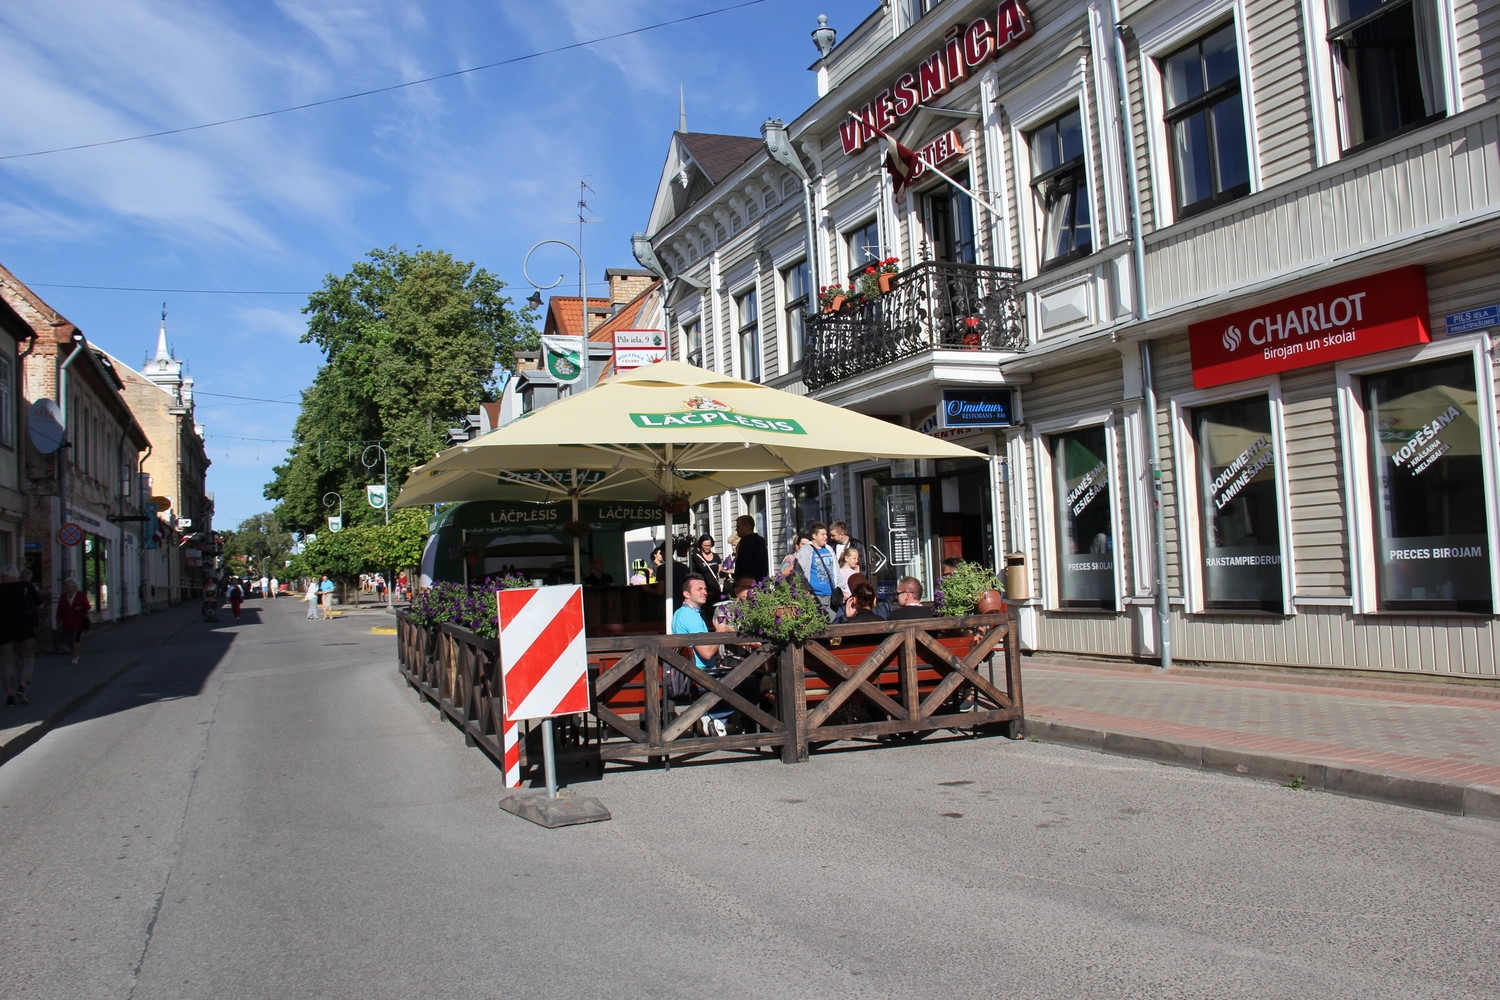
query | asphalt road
(279,816)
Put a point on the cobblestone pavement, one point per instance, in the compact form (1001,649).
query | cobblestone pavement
(1430,744)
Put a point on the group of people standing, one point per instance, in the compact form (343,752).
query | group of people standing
(21,612)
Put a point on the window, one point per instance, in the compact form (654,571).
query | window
(1206,123)
(747,319)
(1387,67)
(807,506)
(692,341)
(1427,481)
(916,9)
(796,291)
(863,246)
(950,222)
(1084,519)
(1239,506)
(7,402)
(1060,184)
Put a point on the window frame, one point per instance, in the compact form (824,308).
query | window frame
(8,401)
(1437,49)
(1203,103)
(856,265)
(1189,491)
(794,311)
(1354,443)
(747,334)
(1046,507)
(1078,170)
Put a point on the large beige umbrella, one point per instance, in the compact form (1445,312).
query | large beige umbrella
(667,427)
(686,428)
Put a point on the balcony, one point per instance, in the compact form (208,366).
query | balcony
(932,306)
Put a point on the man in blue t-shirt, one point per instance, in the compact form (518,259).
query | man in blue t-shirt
(816,561)
(687,620)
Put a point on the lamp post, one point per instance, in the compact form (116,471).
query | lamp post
(329,503)
(583,299)
(385,500)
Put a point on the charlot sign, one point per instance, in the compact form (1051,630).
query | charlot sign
(965,48)
(1348,320)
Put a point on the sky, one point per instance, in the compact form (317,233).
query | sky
(232,226)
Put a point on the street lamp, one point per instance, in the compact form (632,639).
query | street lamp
(583,299)
(329,503)
(385,500)
(385,478)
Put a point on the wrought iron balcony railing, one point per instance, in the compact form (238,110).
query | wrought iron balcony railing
(930,306)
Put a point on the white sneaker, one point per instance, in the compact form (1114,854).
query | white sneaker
(719,729)
(73,662)
(705,725)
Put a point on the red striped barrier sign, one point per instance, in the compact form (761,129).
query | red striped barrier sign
(543,656)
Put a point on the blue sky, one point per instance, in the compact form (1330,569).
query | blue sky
(483,164)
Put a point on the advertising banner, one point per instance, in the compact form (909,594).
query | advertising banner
(639,348)
(563,357)
(1347,320)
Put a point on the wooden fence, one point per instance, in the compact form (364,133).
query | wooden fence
(875,681)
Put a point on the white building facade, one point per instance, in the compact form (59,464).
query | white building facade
(1218,304)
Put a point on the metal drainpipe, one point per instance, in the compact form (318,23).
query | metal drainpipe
(1159,517)
(1138,260)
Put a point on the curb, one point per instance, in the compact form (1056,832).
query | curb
(1454,798)
(28,737)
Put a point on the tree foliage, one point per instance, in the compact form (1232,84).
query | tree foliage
(367,548)
(413,343)
(258,545)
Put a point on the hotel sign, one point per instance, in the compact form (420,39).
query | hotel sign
(965,48)
(1348,320)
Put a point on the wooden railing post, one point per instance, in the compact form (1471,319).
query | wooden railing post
(791,692)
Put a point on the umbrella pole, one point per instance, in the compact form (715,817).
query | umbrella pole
(667,565)
(577,570)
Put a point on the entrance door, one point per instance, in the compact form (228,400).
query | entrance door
(901,517)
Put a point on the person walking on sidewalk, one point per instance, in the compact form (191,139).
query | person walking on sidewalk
(326,589)
(236,595)
(20,610)
(311,597)
(72,617)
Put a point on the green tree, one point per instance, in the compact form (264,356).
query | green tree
(413,343)
(261,542)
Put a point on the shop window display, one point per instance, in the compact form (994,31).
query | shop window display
(1241,529)
(1082,500)
(1427,480)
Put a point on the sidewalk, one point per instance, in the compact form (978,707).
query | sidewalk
(1424,743)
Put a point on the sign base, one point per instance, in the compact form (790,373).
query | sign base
(555,812)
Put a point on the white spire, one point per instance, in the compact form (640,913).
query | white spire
(162,352)
(681,109)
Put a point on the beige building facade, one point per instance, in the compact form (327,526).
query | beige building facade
(1210,284)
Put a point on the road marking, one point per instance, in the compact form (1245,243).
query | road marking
(378,630)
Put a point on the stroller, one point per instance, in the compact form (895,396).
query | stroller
(210,608)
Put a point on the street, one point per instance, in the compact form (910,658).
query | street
(265,809)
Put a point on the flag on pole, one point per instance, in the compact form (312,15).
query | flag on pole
(336,524)
(901,163)
(563,357)
(376,496)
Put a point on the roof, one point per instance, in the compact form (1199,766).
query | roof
(564,319)
(718,155)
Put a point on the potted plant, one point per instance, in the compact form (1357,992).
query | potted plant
(673,501)
(971,332)
(779,611)
(832,298)
(879,276)
(971,589)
